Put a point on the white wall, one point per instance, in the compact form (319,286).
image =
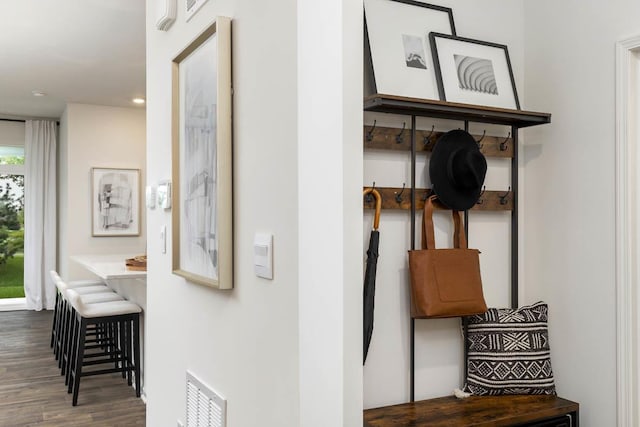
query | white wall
(330,212)
(570,205)
(250,343)
(439,345)
(242,342)
(95,136)
(12,133)
(352,170)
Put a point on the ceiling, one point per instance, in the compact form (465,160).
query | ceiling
(75,51)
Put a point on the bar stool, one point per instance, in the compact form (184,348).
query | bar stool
(55,277)
(99,337)
(89,295)
(123,317)
(60,316)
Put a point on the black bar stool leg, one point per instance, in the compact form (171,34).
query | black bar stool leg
(70,353)
(54,326)
(122,341)
(65,335)
(136,352)
(128,351)
(77,371)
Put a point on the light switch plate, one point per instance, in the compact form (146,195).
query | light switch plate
(150,193)
(164,195)
(263,255)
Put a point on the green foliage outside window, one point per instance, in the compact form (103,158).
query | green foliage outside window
(11,211)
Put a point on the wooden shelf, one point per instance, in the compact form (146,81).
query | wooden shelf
(476,411)
(449,110)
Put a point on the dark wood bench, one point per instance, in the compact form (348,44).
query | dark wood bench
(477,411)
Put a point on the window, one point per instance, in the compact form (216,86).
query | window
(11,222)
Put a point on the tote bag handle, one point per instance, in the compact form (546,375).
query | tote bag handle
(428,234)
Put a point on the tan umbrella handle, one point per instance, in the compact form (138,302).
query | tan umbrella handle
(378,197)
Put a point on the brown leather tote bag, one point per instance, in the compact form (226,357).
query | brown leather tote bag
(445,282)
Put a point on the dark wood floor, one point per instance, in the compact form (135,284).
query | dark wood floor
(32,392)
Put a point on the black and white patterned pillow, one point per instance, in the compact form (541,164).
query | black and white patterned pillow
(508,352)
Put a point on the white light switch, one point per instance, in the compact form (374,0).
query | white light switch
(263,255)
(163,238)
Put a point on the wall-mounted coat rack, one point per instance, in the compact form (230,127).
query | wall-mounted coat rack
(399,198)
(399,139)
(408,138)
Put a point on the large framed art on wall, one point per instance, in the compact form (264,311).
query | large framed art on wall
(397,46)
(202,159)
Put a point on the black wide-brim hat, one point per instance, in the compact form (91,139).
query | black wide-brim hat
(457,169)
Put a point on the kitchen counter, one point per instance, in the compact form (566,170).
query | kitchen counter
(109,267)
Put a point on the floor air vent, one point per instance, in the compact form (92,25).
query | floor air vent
(205,408)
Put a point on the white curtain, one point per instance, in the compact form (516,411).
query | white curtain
(39,213)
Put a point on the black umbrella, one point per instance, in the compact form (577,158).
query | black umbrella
(369,291)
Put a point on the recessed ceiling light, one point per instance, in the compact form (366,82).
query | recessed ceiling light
(38,93)
(138,100)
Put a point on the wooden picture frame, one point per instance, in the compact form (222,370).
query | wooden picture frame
(473,72)
(202,202)
(115,202)
(397,56)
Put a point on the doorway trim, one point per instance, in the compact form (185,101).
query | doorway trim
(12,304)
(627,228)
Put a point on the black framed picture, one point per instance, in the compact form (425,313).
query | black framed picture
(473,71)
(397,54)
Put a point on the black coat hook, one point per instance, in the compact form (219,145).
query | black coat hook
(484,133)
(370,132)
(427,139)
(505,143)
(399,195)
(503,198)
(369,197)
(399,137)
(480,198)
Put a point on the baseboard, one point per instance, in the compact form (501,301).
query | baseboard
(143,395)
(13,304)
